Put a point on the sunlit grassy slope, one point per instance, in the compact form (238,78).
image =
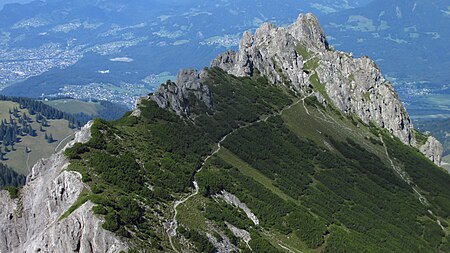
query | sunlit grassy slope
(22,162)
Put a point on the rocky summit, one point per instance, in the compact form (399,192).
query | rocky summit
(299,56)
(286,145)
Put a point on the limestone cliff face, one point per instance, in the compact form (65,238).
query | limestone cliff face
(433,150)
(32,222)
(299,56)
(175,96)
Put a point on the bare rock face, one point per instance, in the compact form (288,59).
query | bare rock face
(175,96)
(433,150)
(275,53)
(234,201)
(357,87)
(32,223)
(308,31)
(299,57)
(222,244)
(239,233)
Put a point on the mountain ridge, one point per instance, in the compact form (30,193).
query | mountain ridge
(286,150)
(357,87)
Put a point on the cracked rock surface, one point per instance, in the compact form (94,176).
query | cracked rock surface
(32,223)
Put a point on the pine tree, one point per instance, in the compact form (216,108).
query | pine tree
(31,131)
(50,139)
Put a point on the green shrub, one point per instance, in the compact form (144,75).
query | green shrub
(99,210)
(13,191)
(75,151)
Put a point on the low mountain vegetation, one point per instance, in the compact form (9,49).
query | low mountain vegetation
(316,180)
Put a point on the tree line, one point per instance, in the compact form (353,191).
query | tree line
(37,107)
(9,177)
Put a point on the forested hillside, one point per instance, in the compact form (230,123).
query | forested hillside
(264,170)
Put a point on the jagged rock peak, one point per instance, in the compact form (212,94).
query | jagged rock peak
(308,31)
(33,223)
(299,56)
(175,96)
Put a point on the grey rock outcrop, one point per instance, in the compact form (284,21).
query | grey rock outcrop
(239,233)
(32,222)
(222,243)
(299,57)
(137,110)
(175,96)
(433,150)
(234,201)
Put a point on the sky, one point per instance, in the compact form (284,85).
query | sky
(3,2)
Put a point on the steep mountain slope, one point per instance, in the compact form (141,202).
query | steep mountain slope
(265,151)
(32,222)
(299,56)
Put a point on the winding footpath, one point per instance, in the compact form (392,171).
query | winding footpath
(303,101)
(405,177)
(173,225)
(59,144)
(28,163)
